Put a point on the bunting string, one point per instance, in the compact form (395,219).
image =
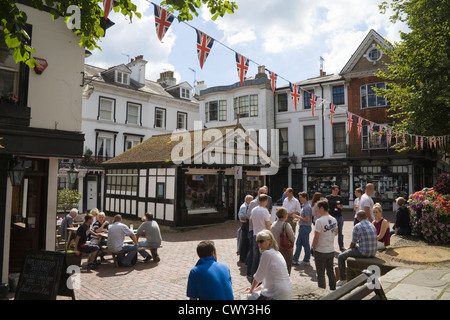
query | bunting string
(163,21)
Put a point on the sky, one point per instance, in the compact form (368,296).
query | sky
(286,36)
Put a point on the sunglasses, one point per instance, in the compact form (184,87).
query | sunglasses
(260,241)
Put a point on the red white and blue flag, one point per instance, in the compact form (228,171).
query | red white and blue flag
(295,94)
(242,64)
(204,46)
(359,125)
(380,132)
(107,7)
(404,139)
(371,128)
(421,142)
(273,80)
(313,101)
(332,112)
(163,21)
(389,136)
(349,121)
(417,142)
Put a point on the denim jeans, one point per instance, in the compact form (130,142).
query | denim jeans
(353,252)
(340,223)
(256,257)
(128,259)
(303,241)
(145,243)
(249,259)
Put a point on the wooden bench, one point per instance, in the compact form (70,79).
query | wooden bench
(115,254)
(361,284)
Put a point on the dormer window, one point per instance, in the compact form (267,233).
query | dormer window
(122,77)
(185,93)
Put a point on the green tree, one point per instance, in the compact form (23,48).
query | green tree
(68,199)
(419,71)
(13,20)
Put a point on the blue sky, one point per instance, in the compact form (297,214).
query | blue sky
(287,36)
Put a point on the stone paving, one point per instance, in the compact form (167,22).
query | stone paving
(167,280)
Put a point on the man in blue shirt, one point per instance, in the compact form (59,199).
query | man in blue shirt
(363,245)
(209,279)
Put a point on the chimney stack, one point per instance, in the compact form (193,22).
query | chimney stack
(137,67)
(166,79)
(261,72)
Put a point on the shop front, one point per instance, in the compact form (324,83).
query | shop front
(322,175)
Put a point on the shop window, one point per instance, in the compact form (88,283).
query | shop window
(160,190)
(201,193)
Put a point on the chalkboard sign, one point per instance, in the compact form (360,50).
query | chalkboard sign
(41,274)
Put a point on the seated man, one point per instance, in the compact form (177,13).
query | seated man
(81,244)
(363,245)
(116,237)
(67,222)
(150,230)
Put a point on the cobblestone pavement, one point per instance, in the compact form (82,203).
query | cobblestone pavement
(167,280)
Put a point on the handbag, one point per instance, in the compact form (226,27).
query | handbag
(285,243)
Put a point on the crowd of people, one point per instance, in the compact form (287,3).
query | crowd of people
(266,248)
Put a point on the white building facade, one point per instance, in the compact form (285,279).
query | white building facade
(121,109)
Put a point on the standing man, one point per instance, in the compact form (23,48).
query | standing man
(358,195)
(364,244)
(116,237)
(335,210)
(209,279)
(81,244)
(366,202)
(323,246)
(259,220)
(244,228)
(292,206)
(304,230)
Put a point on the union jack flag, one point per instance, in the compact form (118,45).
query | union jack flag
(421,142)
(273,80)
(332,112)
(371,127)
(295,94)
(242,67)
(107,7)
(389,136)
(404,139)
(359,125)
(313,101)
(163,20)
(204,46)
(417,142)
(349,121)
(380,132)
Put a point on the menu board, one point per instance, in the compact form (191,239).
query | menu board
(40,276)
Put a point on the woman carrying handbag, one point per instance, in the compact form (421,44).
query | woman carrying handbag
(284,235)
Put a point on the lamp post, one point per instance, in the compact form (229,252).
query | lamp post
(72,174)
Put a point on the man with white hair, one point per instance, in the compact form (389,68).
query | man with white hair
(67,222)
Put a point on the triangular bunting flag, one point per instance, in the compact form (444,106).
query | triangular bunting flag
(204,46)
(107,7)
(371,128)
(359,125)
(349,121)
(389,136)
(332,112)
(404,139)
(313,101)
(295,94)
(421,142)
(417,142)
(380,132)
(242,67)
(163,20)
(273,80)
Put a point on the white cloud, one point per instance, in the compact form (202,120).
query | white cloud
(132,39)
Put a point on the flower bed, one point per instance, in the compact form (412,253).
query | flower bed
(430,215)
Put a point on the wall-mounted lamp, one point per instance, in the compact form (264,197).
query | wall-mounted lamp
(16,172)
(72,174)
(293,158)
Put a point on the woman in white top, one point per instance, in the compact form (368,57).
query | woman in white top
(358,195)
(272,271)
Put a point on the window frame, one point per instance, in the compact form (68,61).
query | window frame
(364,94)
(307,95)
(179,113)
(338,97)
(305,140)
(163,121)
(341,126)
(283,103)
(139,113)
(113,108)
(121,77)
